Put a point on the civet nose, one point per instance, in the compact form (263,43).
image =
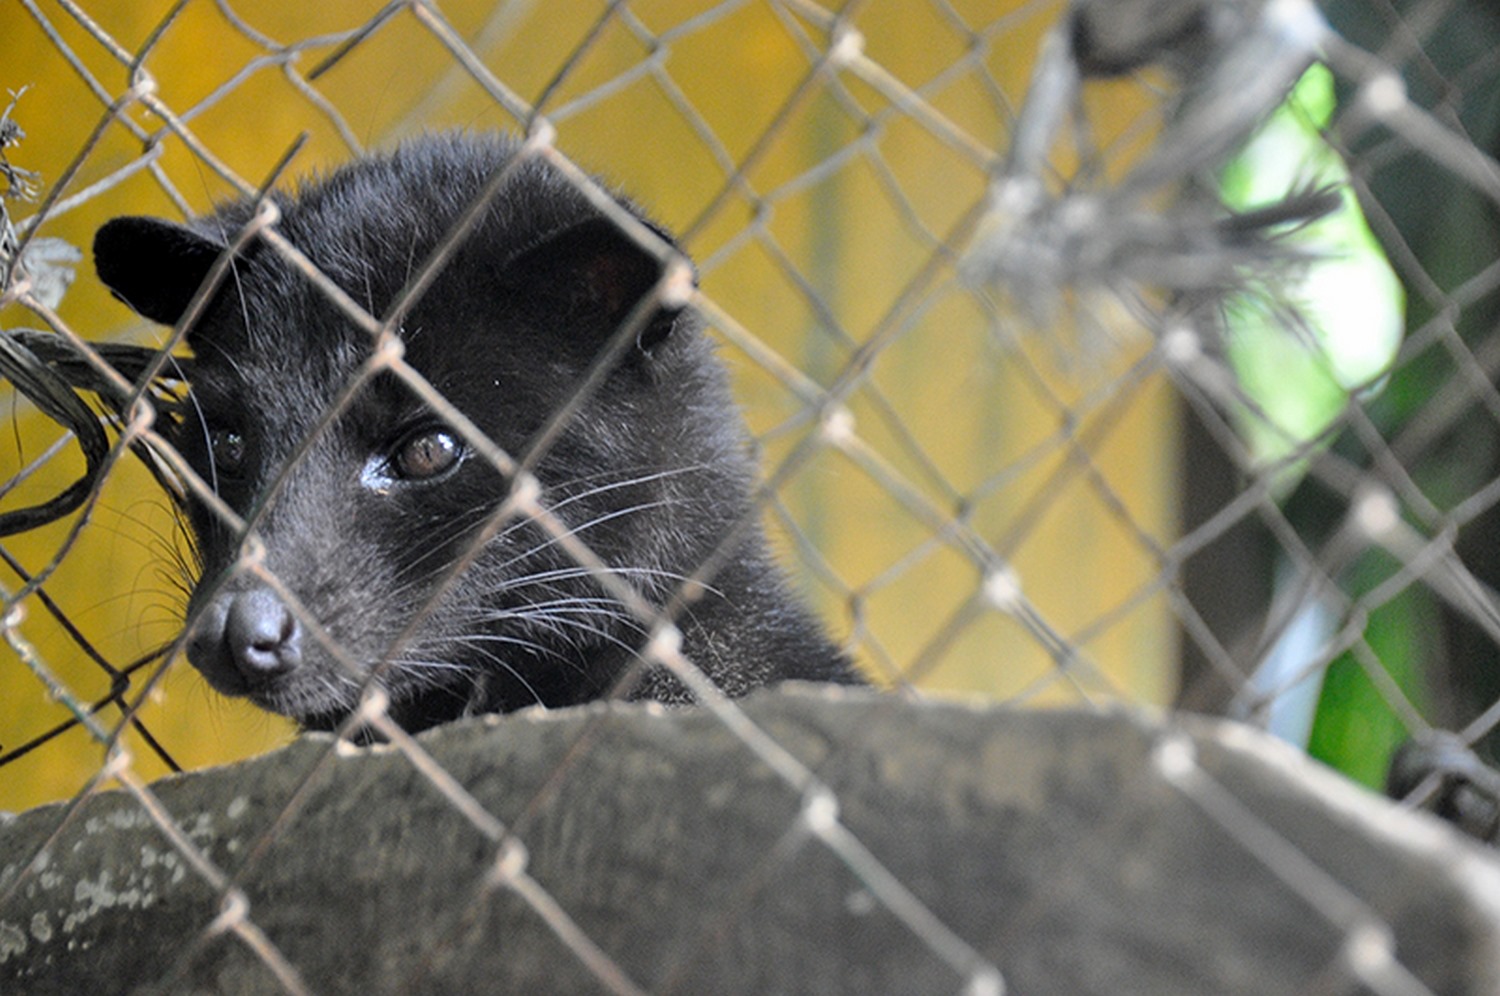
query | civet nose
(246,634)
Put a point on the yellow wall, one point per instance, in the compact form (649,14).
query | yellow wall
(967,402)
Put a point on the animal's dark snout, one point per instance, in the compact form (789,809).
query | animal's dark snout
(246,637)
(263,636)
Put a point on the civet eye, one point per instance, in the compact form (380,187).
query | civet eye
(427,454)
(227,449)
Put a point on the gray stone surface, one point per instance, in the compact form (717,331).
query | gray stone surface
(1049,841)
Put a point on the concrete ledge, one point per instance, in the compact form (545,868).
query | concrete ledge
(1050,842)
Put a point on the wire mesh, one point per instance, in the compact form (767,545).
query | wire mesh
(1041,411)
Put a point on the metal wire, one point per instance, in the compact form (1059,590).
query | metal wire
(1070,256)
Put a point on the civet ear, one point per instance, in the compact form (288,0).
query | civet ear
(154,266)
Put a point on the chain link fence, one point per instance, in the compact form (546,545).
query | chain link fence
(1090,353)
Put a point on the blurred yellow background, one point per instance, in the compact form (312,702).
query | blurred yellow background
(661,103)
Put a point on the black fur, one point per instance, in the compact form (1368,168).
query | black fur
(651,472)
